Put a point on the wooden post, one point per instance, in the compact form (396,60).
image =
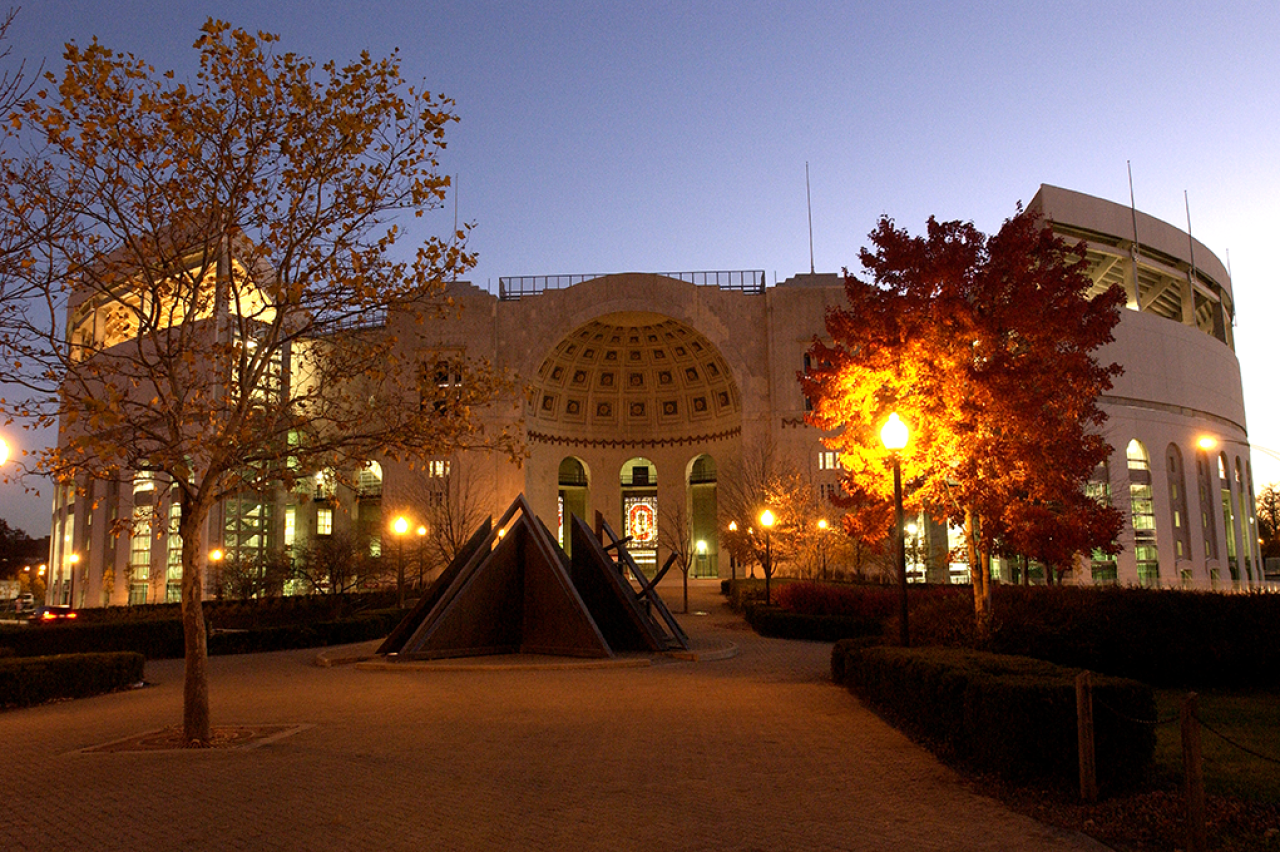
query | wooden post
(1084,736)
(1193,772)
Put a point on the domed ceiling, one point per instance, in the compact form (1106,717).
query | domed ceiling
(634,376)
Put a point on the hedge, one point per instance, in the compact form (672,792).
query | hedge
(163,639)
(35,680)
(1012,716)
(785,624)
(1163,637)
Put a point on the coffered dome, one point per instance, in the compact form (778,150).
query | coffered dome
(634,375)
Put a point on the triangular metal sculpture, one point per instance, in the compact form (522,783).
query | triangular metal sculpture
(512,589)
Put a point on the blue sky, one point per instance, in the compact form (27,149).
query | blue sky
(607,137)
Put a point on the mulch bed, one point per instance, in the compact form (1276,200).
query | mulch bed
(226,737)
(1150,821)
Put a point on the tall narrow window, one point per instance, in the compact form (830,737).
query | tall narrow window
(1208,526)
(1178,512)
(1229,519)
(140,555)
(173,561)
(324,521)
(1142,515)
(1102,564)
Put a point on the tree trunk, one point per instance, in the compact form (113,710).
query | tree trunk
(195,692)
(980,571)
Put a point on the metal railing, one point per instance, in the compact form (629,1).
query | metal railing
(514,287)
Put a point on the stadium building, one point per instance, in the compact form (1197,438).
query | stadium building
(644,389)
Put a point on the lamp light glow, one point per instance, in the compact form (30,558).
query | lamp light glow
(894,434)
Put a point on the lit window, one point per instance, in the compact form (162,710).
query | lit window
(324,521)
(145,480)
(291,524)
(828,460)
(438,468)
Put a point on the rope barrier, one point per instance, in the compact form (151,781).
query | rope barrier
(1154,723)
(1243,748)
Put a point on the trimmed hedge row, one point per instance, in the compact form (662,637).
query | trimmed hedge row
(1011,716)
(238,614)
(1162,637)
(35,680)
(163,639)
(785,624)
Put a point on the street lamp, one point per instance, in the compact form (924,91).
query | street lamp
(215,559)
(400,526)
(422,532)
(74,560)
(733,560)
(767,520)
(822,544)
(894,435)
(4,451)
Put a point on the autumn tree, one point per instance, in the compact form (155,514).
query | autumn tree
(1268,509)
(202,273)
(985,347)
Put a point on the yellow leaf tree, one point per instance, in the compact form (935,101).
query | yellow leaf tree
(195,273)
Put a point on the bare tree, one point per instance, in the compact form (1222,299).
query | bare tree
(675,535)
(210,286)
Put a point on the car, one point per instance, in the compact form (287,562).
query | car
(24,603)
(52,615)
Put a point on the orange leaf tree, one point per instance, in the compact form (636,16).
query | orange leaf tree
(193,269)
(985,347)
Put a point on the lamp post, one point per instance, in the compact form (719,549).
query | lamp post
(733,560)
(767,520)
(74,560)
(422,547)
(215,559)
(400,527)
(822,544)
(894,435)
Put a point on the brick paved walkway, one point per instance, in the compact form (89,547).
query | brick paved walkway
(755,752)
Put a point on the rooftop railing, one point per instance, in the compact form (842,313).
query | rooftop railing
(515,287)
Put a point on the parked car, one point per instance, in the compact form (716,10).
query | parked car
(52,615)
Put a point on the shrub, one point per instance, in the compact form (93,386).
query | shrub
(1162,637)
(1013,716)
(784,624)
(163,639)
(868,602)
(25,681)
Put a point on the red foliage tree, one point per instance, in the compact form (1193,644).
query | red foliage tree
(985,347)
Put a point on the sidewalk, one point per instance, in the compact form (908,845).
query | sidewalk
(757,751)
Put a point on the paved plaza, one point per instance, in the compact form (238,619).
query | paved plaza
(758,751)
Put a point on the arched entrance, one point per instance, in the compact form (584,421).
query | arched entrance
(703,517)
(574,483)
(646,396)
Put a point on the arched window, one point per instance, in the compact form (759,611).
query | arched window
(703,515)
(1229,518)
(370,480)
(1178,511)
(1208,527)
(572,497)
(640,511)
(1102,564)
(1142,515)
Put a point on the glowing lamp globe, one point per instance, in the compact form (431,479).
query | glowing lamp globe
(894,433)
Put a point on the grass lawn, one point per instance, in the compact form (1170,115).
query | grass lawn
(1251,719)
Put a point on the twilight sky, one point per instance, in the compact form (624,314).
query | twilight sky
(659,137)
